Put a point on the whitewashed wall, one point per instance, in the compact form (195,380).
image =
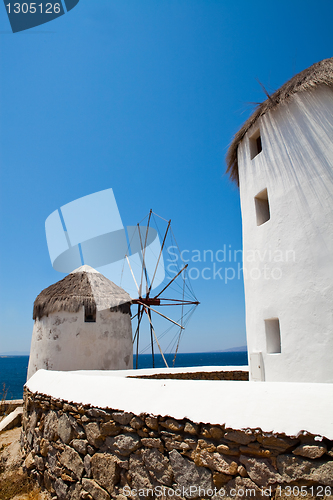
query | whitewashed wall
(290,277)
(63,341)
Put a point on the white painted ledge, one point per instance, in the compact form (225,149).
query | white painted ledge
(12,420)
(281,407)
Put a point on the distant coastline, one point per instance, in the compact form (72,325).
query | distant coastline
(242,348)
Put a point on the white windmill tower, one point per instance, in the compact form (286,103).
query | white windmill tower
(283,160)
(82,322)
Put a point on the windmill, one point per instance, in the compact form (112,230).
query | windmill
(148,301)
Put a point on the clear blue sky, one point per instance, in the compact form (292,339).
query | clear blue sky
(143,97)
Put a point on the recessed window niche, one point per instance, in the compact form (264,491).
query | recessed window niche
(273,336)
(262,207)
(89,315)
(255,144)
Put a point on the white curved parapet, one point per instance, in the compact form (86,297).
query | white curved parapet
(279,407)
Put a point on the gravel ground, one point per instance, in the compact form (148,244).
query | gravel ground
(14,482)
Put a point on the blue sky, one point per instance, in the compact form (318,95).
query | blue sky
(142,97)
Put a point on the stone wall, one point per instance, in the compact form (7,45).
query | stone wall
(79,452)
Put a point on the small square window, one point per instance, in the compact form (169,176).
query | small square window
(89,315)
(255,144)
(262,207)
(273,336)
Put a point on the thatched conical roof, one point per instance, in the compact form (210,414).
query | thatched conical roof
(320,73)
(84,287)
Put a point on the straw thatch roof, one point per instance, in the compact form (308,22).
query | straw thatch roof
(320,73)
(84,287)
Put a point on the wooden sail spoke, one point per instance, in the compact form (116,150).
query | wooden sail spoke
(173,279)
(157,342)
(163,316)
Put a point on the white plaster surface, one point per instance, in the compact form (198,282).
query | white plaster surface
(12,420)
(274,407)
(288,260)
(63,341)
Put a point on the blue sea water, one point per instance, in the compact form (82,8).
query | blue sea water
(13,369)
(193,359)
(13,375)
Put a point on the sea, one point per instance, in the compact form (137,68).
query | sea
(13,369)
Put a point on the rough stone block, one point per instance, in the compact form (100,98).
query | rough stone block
(158,466)
(136,423)
(61,489)
(78,429)
(110,429)
(51,426)
(48,479)
(124,444)
(219,479)
(188,475)
(240,437)
(74,492)
(72,461)
(96,413)
(206,445)
(44,447)
(105,471)
(66,477)
(93,434)
(216,462)
(191,428)
(260,471)
(171,444)
(39,462)
(80,445)
(171,435)
(310,451)
(65,430)
(152,422)
(152,443)
(192,443)
(241,488)
(242,471)
(212,432)
(122,418)
(33,419)
(278,443)
(29,462)
(294,468)
(95,490)
(138,474)
(87,465)
(172,425)
(224,449)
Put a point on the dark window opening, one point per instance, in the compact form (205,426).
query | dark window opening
(255,144)
(89,315)
(273,336)
(262,207)
(258,144)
